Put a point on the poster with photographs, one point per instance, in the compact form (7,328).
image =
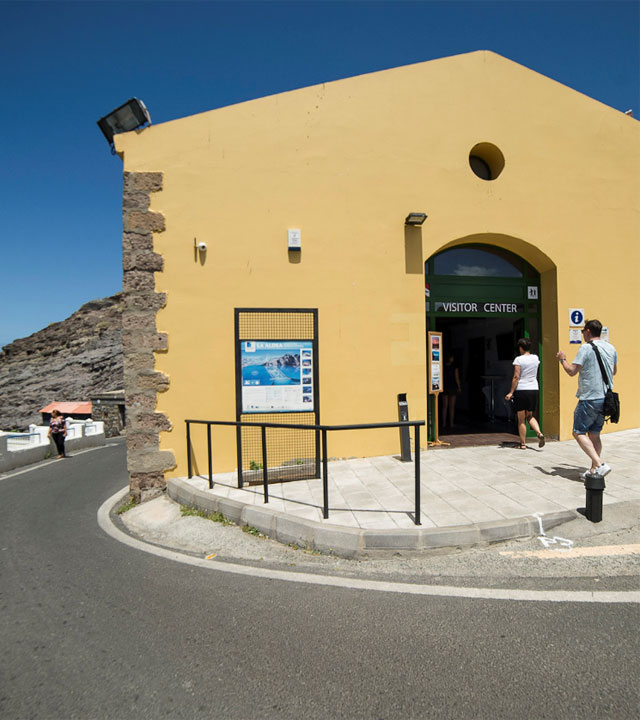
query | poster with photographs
(277,376)
(434,362)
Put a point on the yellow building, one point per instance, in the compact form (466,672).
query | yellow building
(532,192)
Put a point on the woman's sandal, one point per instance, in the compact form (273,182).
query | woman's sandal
(541,440)
(522,446)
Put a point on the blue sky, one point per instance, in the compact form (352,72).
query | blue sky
(64,65)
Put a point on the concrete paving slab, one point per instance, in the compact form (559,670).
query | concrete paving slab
(451,519)
(468,495)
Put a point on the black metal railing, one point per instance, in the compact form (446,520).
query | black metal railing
(321,431)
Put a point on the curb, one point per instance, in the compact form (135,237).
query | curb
(350,542)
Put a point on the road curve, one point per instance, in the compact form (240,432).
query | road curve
(94,628)
(105,521)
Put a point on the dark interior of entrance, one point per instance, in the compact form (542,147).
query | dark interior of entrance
(483,351)
(482,298)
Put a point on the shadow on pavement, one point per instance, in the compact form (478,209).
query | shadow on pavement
(567,472)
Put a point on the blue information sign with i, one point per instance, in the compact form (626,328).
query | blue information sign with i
(576,316)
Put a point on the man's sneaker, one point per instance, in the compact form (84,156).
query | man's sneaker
(601,471)
(583,475)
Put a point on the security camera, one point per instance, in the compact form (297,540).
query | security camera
(202,246)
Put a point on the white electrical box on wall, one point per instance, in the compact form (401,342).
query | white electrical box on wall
(295,239)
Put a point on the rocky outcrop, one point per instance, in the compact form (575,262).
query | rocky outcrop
(69,360)
(288,360)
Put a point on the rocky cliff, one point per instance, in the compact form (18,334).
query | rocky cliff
(68,360)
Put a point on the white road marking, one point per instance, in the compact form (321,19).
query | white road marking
(571,553)
(585,596)
(555,540)
(44,463)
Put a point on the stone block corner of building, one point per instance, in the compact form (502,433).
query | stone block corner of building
(141,339)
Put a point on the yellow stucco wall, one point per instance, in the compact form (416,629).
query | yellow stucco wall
(345,162)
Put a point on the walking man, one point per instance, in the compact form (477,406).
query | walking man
(588,417)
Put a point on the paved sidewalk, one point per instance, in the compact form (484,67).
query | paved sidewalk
(459,486)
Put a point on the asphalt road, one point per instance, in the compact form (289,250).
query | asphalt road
(92,628)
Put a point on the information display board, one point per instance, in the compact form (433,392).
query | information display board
(277,376)
(435,362)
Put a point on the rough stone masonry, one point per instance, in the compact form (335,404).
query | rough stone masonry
(140,337)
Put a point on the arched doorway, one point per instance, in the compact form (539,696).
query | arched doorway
(482,298)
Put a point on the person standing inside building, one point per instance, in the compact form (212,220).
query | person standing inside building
(451,390)
(588,417)
(58,431)
(524,391)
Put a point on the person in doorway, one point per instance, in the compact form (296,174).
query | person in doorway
(588,417)
(58,431)
(451,389)
(524,391)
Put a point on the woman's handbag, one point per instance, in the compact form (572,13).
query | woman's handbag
(611,407)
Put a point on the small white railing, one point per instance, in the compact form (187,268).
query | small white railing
(92,428)
(74,431)
(18,449)
(17,441)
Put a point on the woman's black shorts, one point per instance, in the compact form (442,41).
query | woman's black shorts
(525,400)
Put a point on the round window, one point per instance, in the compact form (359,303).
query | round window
(486,160)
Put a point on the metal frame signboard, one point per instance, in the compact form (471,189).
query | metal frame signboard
(277,376)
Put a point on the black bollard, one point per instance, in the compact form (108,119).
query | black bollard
(594,485)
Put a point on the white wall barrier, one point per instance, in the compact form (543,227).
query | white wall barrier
(18,449)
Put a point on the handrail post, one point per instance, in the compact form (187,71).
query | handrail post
(239,455)
(265,471)
(325,475)
(209,456)
(316,472)
(417,469)
(189,469)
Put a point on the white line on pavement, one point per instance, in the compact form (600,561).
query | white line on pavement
(44,463)
(571,553)
(586,596)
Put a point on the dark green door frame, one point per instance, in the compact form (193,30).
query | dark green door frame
(482,297)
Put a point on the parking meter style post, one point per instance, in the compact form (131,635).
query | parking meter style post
(434,362)
(405,439)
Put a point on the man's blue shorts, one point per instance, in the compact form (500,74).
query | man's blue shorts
(588,417)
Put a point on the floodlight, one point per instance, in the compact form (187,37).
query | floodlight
(133,114)
(415,218)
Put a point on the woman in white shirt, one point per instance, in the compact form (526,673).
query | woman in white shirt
(524,391)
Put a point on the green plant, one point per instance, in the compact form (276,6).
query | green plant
(310,551)
(127,503)
(249,529)
(253,465)
(218,517)
(307,550)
